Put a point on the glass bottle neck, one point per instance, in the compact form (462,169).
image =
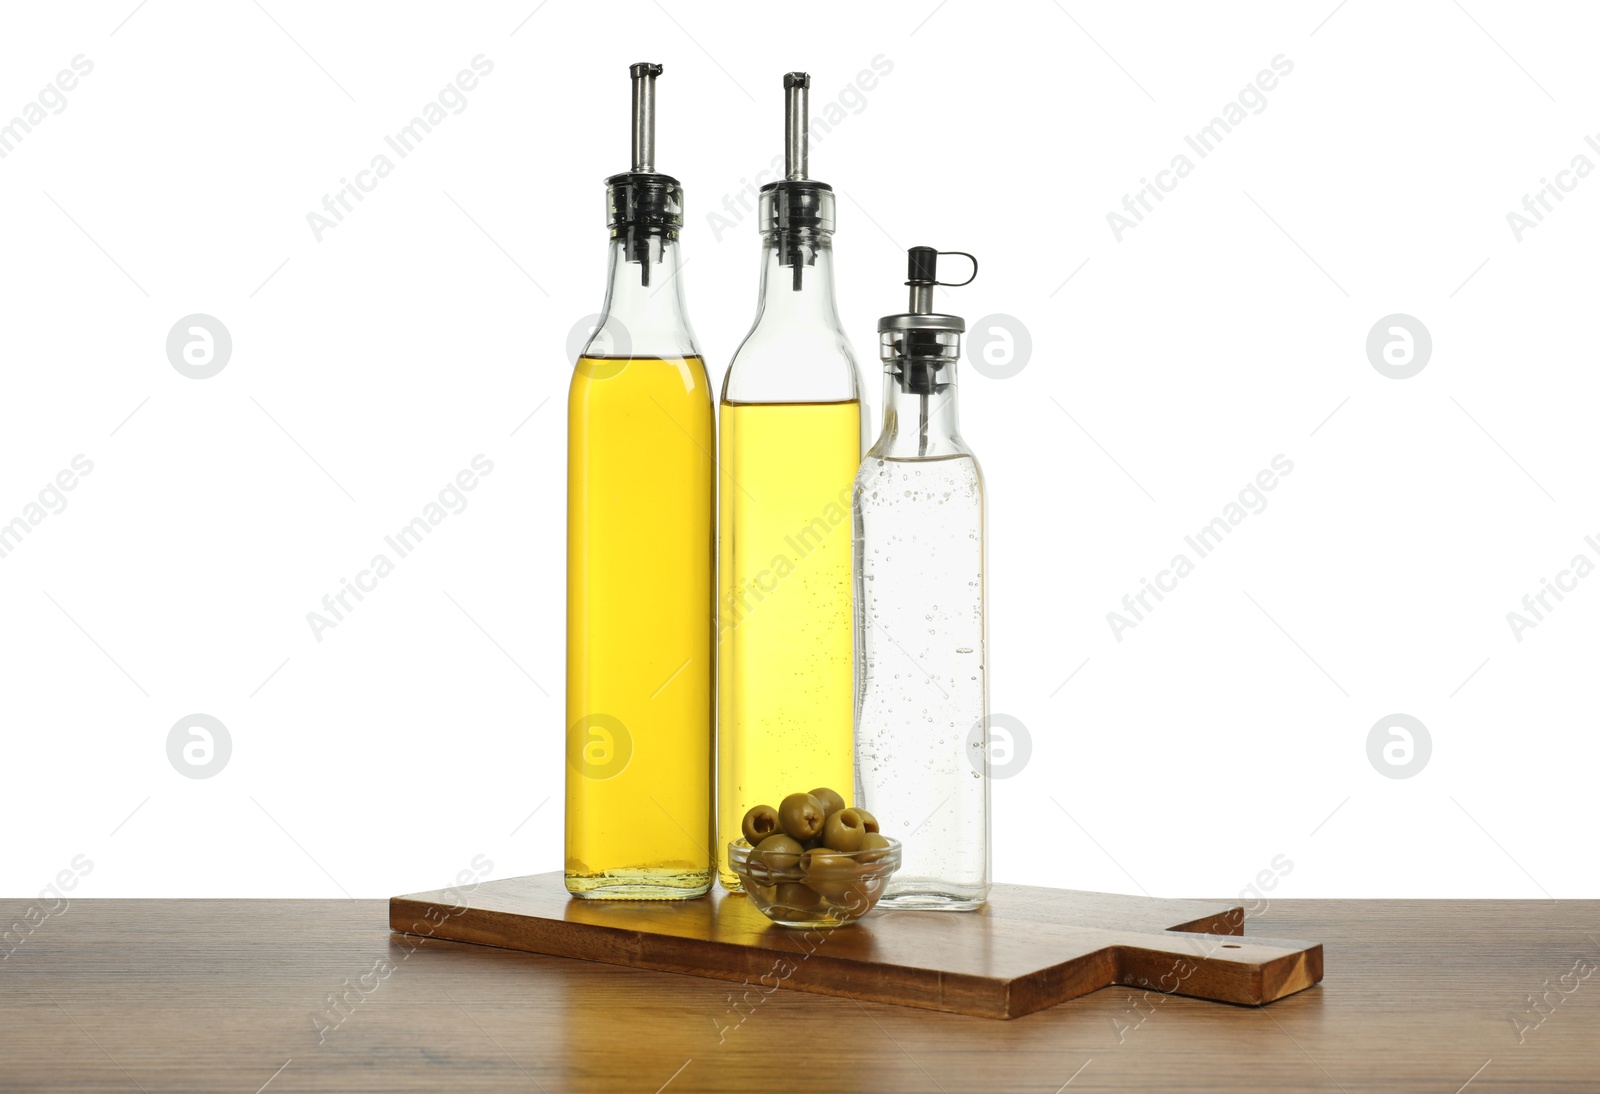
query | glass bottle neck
(917,427)
(797,279)
(797,350)
(644,313)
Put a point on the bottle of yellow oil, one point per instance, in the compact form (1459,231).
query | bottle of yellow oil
(640,558)
(791,433)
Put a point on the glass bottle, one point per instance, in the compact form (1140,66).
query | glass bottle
(790,427)
(923,701)
(640,560)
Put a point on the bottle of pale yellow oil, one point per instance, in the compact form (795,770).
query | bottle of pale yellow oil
(791,433)
(640,559)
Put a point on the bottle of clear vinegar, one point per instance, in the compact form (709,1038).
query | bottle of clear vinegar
(640,560)
(922,750)
(791,433)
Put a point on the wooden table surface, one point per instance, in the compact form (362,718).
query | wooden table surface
(238,995)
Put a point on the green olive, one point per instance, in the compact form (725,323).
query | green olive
(843,831)
(868,821)
(861,898)
(823,860)
(828,872)
(796,897)
(832,801)
(779,852)
(759,823)
(802,816)
(873,848)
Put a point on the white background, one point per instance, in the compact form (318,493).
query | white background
(368,368)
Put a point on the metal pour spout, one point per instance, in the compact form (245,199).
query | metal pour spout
(796,115)
(644,116)
(643,208)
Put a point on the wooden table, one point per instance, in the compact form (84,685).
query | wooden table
(229,995)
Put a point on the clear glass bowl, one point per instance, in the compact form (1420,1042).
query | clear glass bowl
(837,892)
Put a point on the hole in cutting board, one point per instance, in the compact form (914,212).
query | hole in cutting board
(1230,946)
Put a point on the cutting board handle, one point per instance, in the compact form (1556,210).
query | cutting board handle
(1227,968)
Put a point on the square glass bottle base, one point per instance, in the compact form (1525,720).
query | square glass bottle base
(639,885)
(910,896)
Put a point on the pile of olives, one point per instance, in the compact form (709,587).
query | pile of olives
(814,832)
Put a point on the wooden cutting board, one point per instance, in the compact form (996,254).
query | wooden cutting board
(1029,948)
